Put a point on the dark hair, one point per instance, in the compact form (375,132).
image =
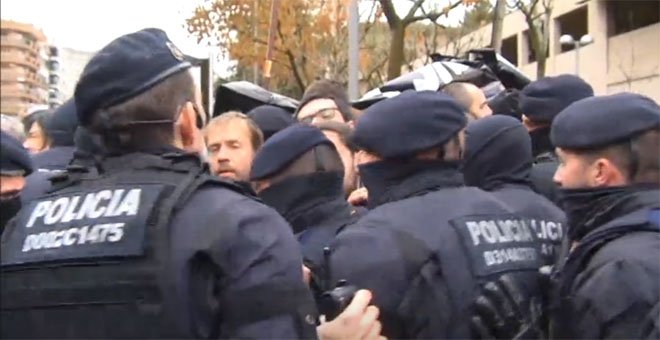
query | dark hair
(321,158)
(40,117)
(159,103)
(328,89)
(638,157)
(342,129)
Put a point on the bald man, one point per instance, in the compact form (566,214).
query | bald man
(471,98)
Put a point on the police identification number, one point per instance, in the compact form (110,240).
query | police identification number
(89,224)
(504,243)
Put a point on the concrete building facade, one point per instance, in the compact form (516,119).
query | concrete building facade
(72,64)
(24,72)
(624,55)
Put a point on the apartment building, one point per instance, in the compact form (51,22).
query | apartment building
(24,70)
(624,54)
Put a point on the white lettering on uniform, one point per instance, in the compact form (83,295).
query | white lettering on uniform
(112,207)
(473,227)
(100,233)
(39,211)
(70,213)
(130,204)
(98,211)
(501,256)
(56,210)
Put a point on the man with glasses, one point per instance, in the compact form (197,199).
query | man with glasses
(324,100)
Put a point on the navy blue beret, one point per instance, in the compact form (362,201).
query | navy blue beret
(14,158)
(601,121)
(408,123)
(271,119)
(125,68)
(284,147)
(62,124)
(542,100)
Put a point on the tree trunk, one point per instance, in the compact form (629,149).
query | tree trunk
(397,33)
(540,67)
(498,20)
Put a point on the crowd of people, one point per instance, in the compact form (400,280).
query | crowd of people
(129,212)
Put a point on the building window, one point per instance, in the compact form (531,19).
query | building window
(510,49)
(575,24)
(625,16)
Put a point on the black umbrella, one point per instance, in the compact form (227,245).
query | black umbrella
(483,68)
(244,96)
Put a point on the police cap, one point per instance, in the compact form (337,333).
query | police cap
(284,147)
(14,158)
(605,120)
(62,124)
(408,123)
(543,99)
(125,68)
(270,119)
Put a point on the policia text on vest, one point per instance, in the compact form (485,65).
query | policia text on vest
(99,223)
(497,244)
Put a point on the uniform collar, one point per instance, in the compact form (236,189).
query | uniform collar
(307,200)
(390,180)
(541,142)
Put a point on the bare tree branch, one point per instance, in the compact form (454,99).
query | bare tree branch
(390,13)
(415,7)
(433,16)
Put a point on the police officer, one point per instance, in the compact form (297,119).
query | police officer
(300,174)
(15,164)
(428,241)
(609,284)
(271,119)
(147,244)
(540,102)
(60,128)
(609,151)
(486,140)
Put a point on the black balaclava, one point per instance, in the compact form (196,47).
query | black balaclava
(296,195)
(497,151)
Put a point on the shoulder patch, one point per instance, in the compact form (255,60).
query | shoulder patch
(499,243)
(93,223)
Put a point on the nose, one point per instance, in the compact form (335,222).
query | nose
(557,177)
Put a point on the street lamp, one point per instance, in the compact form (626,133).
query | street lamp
(568,40)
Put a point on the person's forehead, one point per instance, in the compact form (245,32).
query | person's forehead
(317,104)
(233,129)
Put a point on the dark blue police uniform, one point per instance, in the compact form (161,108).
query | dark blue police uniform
(14,162)
(147,244)
(508,179)
(540,102)
(428,241)
(312,203)
(609,285)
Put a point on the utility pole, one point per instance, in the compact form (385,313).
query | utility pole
(353,50)
(274,11)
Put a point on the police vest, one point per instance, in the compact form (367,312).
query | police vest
(490,245)
(91,258)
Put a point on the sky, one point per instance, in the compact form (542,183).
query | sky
(88,25)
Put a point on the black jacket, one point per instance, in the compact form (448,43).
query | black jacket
(609,286)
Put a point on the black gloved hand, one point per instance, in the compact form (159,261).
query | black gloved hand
(505,311)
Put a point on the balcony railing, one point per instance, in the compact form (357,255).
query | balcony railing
(20,59)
